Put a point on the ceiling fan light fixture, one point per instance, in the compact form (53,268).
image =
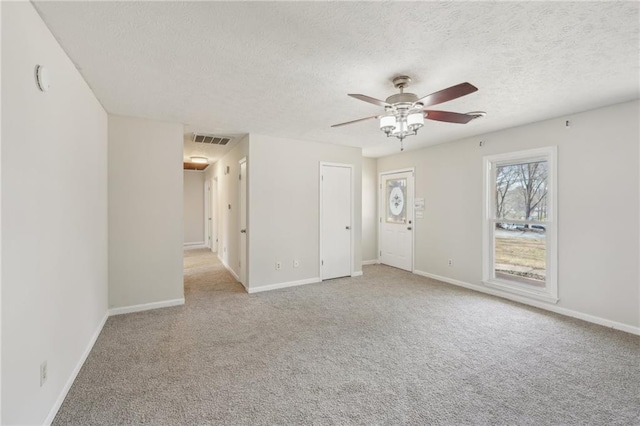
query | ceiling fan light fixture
(199,160)
(387,123)
(415,120)
(401,127)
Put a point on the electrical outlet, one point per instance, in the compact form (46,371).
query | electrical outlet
(43,373)
(296,263)
(450,262)
(278,266)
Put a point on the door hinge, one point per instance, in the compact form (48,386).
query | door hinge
(380,253)
(239,177)
(380,220)
(322,261)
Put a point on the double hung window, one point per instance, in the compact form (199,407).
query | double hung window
(520,224)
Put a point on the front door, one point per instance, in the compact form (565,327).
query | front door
(335,243)
(396,220)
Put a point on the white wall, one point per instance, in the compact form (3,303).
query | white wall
(0,221)
(145,211)
(193,196)
(284,207)
(229,195)
(598,206)
(54,218)
(369,209)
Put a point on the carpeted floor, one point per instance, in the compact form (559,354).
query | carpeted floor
(389,347)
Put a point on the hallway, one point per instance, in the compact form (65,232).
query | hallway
(203,272)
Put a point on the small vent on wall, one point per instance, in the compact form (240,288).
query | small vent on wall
(210,139)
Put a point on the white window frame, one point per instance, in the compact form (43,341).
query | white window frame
(550,292)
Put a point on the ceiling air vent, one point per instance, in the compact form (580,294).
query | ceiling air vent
(210,139)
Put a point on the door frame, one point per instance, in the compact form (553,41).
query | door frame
(207,213)
(245,183)
(214,214)
(320,216)
(381,210)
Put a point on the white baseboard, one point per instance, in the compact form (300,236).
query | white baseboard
(283,285)
(542,305)
(74,373)
(199,244)
(231,271)
(370,262)
(146,306)
(92,341)
(356,274)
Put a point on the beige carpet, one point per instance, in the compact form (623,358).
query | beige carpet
(385,348)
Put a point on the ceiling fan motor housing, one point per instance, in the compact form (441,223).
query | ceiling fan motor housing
(402,98)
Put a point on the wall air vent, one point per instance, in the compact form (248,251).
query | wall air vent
(210,139)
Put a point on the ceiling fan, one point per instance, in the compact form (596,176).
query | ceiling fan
(405,113)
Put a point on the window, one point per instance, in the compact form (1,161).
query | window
(520,225)
(396,194)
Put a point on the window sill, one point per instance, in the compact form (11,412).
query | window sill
(512,289)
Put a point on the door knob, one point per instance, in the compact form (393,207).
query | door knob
(243,231)
(347,227)
(409,228)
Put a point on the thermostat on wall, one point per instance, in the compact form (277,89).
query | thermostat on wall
(42,78)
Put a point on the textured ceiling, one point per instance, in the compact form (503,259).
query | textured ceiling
(285,68)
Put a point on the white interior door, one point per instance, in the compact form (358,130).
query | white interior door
(243,222)
(214,215)
(396,220)
(336,208)
(207,213)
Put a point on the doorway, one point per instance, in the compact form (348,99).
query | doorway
(396,219)
(213,228)
(207,213)
(336,218)
(243,222)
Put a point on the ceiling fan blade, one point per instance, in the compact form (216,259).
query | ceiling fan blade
(355,121)
(448,94)
(449,117)
(369,99)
